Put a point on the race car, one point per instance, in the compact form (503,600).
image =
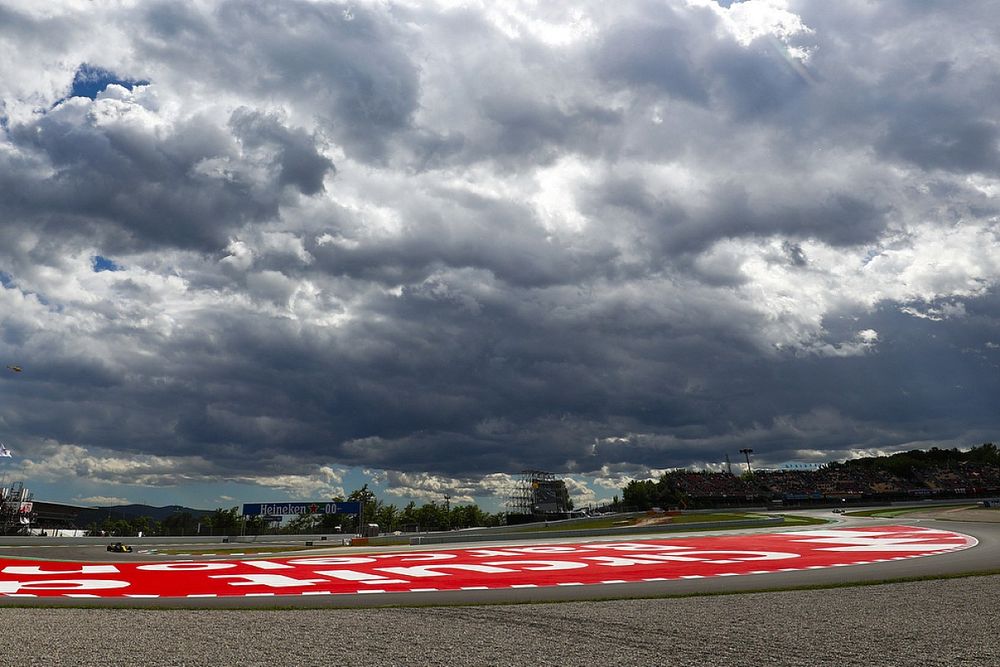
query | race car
(120,548)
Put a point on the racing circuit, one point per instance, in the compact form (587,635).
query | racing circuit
(852,550)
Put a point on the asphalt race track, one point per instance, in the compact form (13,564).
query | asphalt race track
(855,550)
(926,623)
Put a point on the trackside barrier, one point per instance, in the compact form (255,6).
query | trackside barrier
(18,540)
(591,532)
(345,540)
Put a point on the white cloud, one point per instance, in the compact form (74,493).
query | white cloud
(324,483)
(103,501)
(52,461)
(925,264)
(432,488)
(750,19)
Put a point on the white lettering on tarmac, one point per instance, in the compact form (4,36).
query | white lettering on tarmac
(61,585)
(185,567)
(690,557)
(619,561)
(520,551)
(360,577)
(431,570)
(267,565)
(270,580)
(881,546)
(490,553)
(332,560)
(634,546)
(541,564)
(739,555)
(37,571)
(859,543)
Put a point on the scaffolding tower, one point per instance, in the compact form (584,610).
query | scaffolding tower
(537,492)
(15,509)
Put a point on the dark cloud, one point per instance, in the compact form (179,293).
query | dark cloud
(732,212)
(654,52)
(342,62)
(138,186)
(758,80)
(794,253)
(938,134)
(458,229)
(528,129)
(455,242)
(294,151)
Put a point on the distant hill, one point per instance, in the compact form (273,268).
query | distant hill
(99,514)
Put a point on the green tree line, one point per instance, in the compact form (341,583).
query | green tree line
(389,517)
(643,494)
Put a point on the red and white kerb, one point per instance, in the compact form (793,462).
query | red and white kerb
(531,566)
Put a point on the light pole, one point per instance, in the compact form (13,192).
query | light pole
(747,452)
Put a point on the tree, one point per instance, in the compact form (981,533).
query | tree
(180,523)
(408,517)
(141,524)
(255,525)
(639,493)
(985,453)
(387,516)
(431,516)
(303,523)
(369,503)
(225,522)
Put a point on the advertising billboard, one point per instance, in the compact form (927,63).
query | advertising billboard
(294,508)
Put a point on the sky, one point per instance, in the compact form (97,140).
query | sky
(256,251)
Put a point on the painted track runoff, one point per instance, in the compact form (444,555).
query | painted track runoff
(536,571)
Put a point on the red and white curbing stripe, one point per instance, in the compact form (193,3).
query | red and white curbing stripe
(478,569)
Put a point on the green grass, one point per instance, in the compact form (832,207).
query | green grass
(796,520)
(230,550)
(680,519)
(601,523)
(900,511)
(721,516)
(612,522)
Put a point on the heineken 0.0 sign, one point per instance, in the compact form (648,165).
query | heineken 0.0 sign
(297,508)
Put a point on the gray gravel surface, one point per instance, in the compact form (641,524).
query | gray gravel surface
(951,622)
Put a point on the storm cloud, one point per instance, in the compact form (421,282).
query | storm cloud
(285,245)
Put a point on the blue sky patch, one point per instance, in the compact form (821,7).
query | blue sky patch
(91,80)
(104,264)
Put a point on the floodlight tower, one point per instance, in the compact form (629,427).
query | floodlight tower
(747,451)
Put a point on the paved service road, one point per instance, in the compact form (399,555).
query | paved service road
(856,550)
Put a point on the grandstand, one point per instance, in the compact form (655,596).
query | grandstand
(21,513)
(908,475)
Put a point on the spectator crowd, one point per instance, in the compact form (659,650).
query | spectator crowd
(936,472)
